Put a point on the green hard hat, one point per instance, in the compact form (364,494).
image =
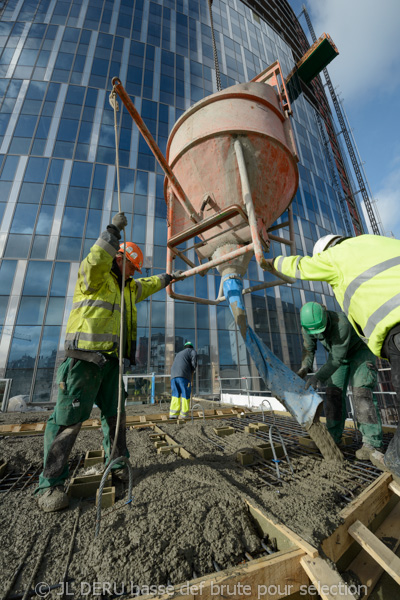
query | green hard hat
(313,317)
(189,345)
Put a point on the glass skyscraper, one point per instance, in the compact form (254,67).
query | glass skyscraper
(58,174)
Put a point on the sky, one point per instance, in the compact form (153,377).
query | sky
(366,76)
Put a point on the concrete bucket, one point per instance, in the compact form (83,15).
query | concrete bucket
(205,148)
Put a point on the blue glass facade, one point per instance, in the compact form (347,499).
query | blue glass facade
(58,176)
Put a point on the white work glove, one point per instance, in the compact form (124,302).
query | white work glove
(120,221)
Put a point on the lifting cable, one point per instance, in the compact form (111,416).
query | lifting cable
(114,105)
(216,63)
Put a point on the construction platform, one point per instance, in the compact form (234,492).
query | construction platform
(202,524)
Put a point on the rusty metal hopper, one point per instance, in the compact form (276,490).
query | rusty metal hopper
(201,152)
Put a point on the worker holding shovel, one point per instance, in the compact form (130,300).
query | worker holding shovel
(350,361)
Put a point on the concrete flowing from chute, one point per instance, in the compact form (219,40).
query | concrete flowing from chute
(303,404)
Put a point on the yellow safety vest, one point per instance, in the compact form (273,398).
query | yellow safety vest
(364,273)
(94,320)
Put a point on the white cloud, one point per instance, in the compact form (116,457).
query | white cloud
(366,33)
(388,197)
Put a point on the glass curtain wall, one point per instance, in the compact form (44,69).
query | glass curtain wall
(58,176)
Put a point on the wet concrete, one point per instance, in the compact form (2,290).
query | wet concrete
(185,514)
(329,450)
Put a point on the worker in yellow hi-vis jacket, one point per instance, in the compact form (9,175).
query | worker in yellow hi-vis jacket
(90,372)
(364,273)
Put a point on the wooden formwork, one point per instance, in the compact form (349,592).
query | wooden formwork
(368,522)
(135,421)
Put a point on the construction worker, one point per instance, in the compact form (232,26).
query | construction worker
(350,361)
(90,371)
(182,371)
(364,273)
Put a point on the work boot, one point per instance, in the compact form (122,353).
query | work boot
(121,474)
(54,498)
(364,452)
(376,458)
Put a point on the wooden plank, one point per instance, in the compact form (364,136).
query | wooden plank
(270,578)
(364,565)
(181,450)
(294,537)
(326,580)
(364,508)
(377,549)
(395,487)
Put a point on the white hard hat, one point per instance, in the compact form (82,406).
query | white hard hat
(325,242)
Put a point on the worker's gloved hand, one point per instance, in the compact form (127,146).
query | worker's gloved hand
(270,264)
(313,382)
(177,275)
(119,221)
(165,279)
(302,372)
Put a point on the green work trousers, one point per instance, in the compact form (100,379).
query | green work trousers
(80,385)
(361,374)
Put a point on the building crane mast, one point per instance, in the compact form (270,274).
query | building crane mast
(346,136)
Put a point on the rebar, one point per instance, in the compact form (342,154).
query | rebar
(216,566)
(272,412)
(79,461)
(31,478)
(103,482)
(17,572)
(37,565)
(70,549)
(291,431)
(202,410)
(18,480)
(276,461)
(267,548)
(211,441)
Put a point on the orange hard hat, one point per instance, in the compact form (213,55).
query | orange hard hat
(134,254)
